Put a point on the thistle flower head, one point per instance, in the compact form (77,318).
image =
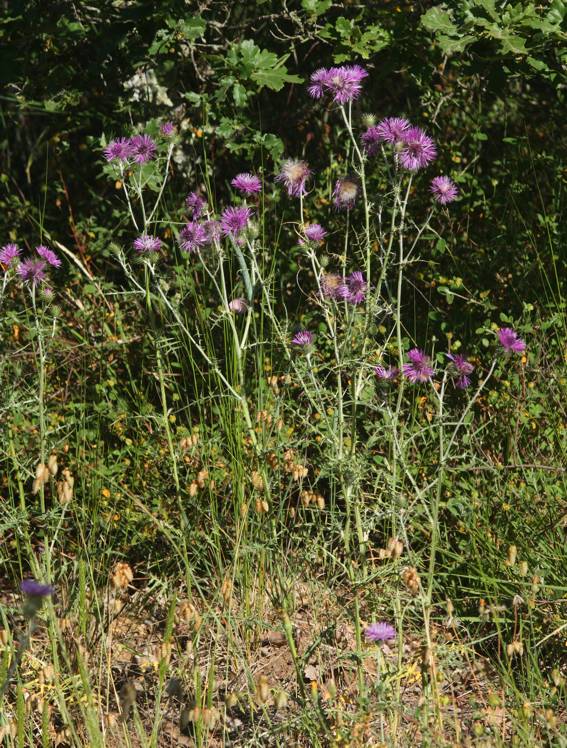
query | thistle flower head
(9,253)
(509,340)
(118,150)
(238,305)
(248,184)
(32,271)
(418,149)
(444,190)
(33,588)
(143,148)
(195,203)
(389,130)
(313,232)
(389,373)
(167,129)
(303,338)
(318,81)
(147,244)
(379,632)
(331,285)
(353,288)
(234,220)
(461,369)
(345,193)
(293,176)
(48,255)
(419,368)
(344,83)
(192,237)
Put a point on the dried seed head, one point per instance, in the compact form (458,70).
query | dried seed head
(515,648)
(52,464)
(262,506)
(512,555)
(226,590)
(262,690)
(65,487)
(394,548)
(411,579)
(523,568)
(257,481)
(41,477)
(122,575)
(187,613)
(280,700)
(202,476)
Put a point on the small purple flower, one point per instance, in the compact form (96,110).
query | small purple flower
(9,253)
(509,340)
(48,255)
(418,149)
(192,237)
(195,203)
(47,293)
(389,130)
(379,632)
(444,190)
(353,289)
(303,338)
(332,285)
(212,230)
(386,374)
(419,369)
(313,232)
(167,129)
(119,149)
(294,175)
(147,244)
(32,271)
(235,220)
(143,148)
(238,305)
(248,184)
(345,193)
(33,588)
(461,369)
(343,83)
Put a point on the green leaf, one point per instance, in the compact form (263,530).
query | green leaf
(449,45)
(316,7)
(192,28)
(438,19)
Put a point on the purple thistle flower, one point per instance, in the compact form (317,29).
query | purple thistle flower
(379,632)
(32,271)
(419,369)
(509,340)
(234,220)
(146,243)
(48,255)
(248,184)
(418,149)
(47,293)
(353,288)
(389,130)
(318,82)
(344,83)
(9,253)
(143,148)
(386,374)
(444,190)
(345,193)
(313,232)
(238,305)
(167,129)
(461,369)
(294,175)
(119,149)
(303,338)
(195,203)
(192,237)
(331,285)
(33,588)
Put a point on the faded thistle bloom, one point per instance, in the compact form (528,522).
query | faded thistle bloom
(235,220)
(418,149)
(345,193)
(444,190)
(167,129)
(143,148)
(313,232)
(343,83)
(303,338)
(33,588)
(389,130)
(461,369)
(386,373)
(118,150)
(509,340)
(353,288)
(9,253)
(379,632)
(419,368)
(331,285)
(32,271)
(248,184)
(294,175)
(193,236)
(146,243)
(238,305)
(195,203)
(48,255)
